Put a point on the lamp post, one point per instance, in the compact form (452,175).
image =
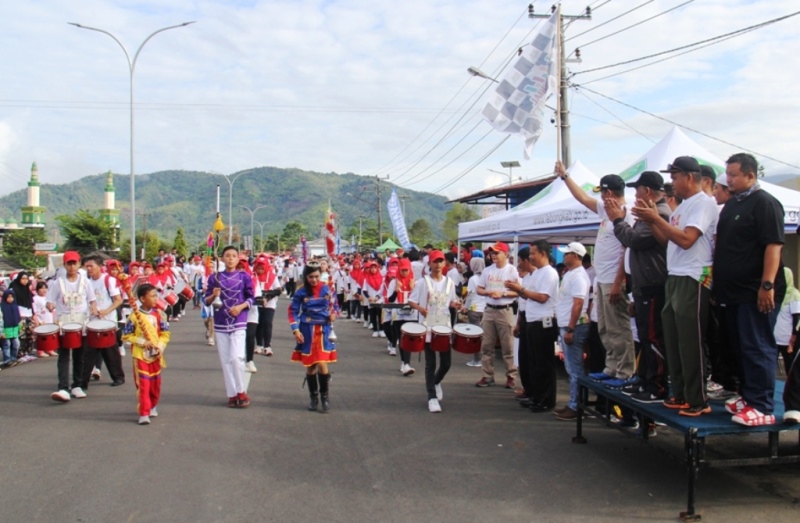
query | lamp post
(252,215)
(261,236)
(230,200)
(131,69)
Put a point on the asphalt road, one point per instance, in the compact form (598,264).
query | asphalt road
(377,456)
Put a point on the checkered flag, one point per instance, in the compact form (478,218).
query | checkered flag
(515,107)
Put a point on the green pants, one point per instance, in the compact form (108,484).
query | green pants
(684,318)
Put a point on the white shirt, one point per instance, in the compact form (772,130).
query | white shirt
(75,309)
(417,267)
(607,248)
(40,309)
(421,297)
(783,325)
(700,212)
(474,302)
(544,281)
(493,279)
(105,296)
(574,285)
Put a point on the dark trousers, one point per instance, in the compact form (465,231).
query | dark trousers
(432,375)
(340,299)
(250,341)
(290,285)
(753,342)
(77,367)
(266,316)
(542,363)
(596,359)
(388,330)
(524,355)
(724,364)
(791,389)
(405,356)
(788,358)
(355,309)
(374,315)
(652,369)
(113,361)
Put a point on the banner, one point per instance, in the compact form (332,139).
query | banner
(516,105)
(330,238)
(304,245)
(398,221)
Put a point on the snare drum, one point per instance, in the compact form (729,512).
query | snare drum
(46,337)
(467,339)
(412,337)
(171,298)
(187,293)
(161,304)
(72,336)
(440,338)
(101,334)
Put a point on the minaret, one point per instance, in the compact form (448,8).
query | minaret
(108,213)
(32,213)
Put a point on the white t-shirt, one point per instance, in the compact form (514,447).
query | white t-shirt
(73,303)
(105,296)
(493,279)
(545,281)
(699,211)
(40,309)
(420,296)
(401,314)
(474,302)
(607,248)
(574,285)
(783,325)
(522,301)
(417,267)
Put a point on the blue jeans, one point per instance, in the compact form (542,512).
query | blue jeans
(10,349)
(573,360)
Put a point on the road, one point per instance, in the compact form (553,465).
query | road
(377,456)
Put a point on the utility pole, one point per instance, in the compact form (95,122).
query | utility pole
(566,154)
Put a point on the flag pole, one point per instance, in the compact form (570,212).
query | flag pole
(559,100)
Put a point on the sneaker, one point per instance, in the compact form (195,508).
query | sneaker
(375,334)
(735,405)
(791,417)
(485,382)
(258,350)
(243,400)
(722,395)
(211,341)
(675,403)
(600,376)
(52,353)
(122,351)
(392,351)
(651,431)
(510,383)
(433,405)
(42,354)
(567,415)
(154,412)
(233,402)
(144,420)
(631,389)
(409,370)
(693,412)
(750,417)
(618,384)
(439,391)
(77,392)
(61,395)
(712,386)
(96,374)
(628,423)
(473,363)
(381,334)
(366,324)
(268,351)
(251,367)
(647,397)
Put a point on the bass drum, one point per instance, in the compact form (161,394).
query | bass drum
(467,338)
(412,337)
(101,334)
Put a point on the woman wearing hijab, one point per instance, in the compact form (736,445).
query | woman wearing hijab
(267,282)
(399,291)
(372,290)
(252,320)
(11,327)
(356,280)
(473,303)
(21,286)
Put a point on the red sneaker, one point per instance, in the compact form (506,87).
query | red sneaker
(750,417)
(233,402)
(675,403)
(242,400)
(510,383)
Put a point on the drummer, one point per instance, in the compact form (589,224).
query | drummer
(71,298)
(108,300)
(432,297)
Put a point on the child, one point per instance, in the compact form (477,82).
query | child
(147,331)
(235,288)
(41,314)
(10,323)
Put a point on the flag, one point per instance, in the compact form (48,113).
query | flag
(516,105)
(304,245)
(330,238)
(398,221)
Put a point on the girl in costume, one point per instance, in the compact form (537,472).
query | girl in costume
(311,317)
(372,292)
(399,291)
(268,288)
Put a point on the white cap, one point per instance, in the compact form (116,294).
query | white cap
(575,247)
(722,179)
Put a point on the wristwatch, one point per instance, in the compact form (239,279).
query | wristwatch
(569,330)
(766,285)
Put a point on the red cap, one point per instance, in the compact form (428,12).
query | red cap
(71,256)
(499,247)
(439,255)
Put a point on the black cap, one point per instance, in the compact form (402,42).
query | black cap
(706,171)
(428,246)
(685,164)
(650,179)
(612,182)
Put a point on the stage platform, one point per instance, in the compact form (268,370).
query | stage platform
(695,431)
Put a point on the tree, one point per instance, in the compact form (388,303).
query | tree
(458,213)
(420,232)
(86,231)
(151,247)
(18,247)
(180,244)
(291,234)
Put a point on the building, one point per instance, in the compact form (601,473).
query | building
(108,213)
(33,213)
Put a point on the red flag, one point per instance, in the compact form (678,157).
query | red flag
(330,239)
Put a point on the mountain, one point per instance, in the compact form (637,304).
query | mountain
(167,200)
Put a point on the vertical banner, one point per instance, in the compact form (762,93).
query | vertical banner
(304,245)
(330,237)
(398,221)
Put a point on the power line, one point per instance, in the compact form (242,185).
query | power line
(610,20)
(470,168)
(630,127)
(689,128)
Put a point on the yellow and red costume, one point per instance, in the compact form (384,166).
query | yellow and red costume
(143,326)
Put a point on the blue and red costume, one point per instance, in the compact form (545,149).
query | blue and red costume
(311,315)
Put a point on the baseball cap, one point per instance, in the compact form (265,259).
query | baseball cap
(435,255)
(685,164)
(499,247)
(575,247)
(706,171)
(71,256)
(650,179)
(612,182)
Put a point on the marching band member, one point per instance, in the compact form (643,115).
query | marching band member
(399,291)
(267,282)
(107,300)
(372,292)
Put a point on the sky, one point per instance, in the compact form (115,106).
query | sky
(376,87)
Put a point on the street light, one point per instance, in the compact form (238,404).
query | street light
(230,200)
(131,68)
(510,166)
(261,226)
(474,71)
(252,215)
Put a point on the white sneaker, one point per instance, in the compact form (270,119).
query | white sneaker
(122,351)
(392,351)
(409,370)
(210,341)
(251,367)
(96,374)
(402,368)
(366,324)
(791,417)
(433,405)
(77,392)
(144,420)
(268,351)
(258,350)
(439,392)
(62,396)
(381,334)
(375,334)
(473,363)
(154,412)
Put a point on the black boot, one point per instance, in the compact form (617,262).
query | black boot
(324,379)
(312,391)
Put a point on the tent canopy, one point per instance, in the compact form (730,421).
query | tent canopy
(388,244)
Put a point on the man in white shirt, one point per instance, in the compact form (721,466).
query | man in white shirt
(498,317)
(525,270)
(571,304)
(612,304)
(108,299)
(690,233)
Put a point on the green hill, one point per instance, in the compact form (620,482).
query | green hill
(171,199)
